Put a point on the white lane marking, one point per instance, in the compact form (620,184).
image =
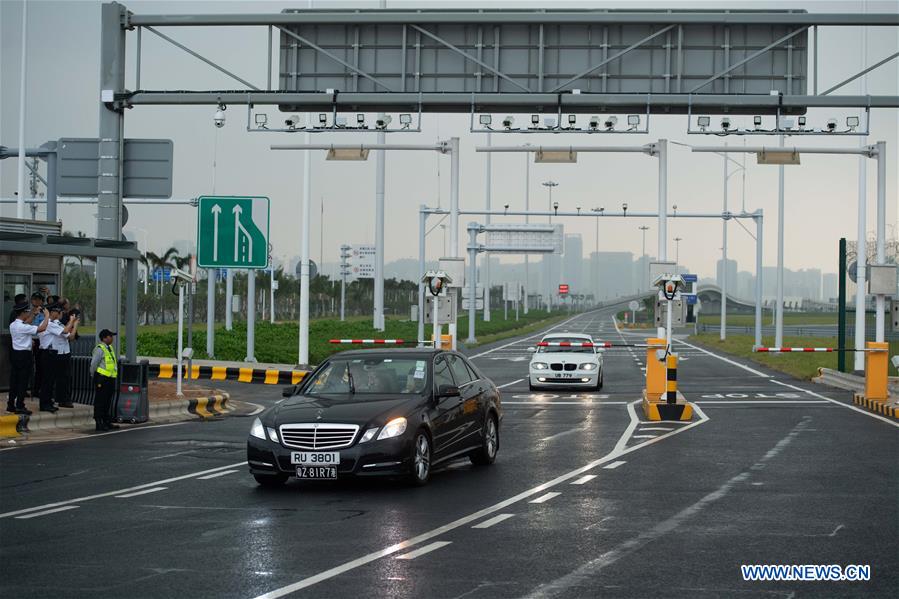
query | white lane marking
(620,450)
(589,571)
(258,409)
(489,351)
(169,455)
(614,465)
(493,520)
(509,384)
(645,436)
(121,491)
(586,402)
(723,359)
(563,433)
(95,435)
(584,479)
(423,550)
(216,474)
(144,492)
(545,498)
(759,401)
(655,428)
(839,403)
(45,512)
(631,427)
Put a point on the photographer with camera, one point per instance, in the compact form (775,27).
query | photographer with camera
(59,341)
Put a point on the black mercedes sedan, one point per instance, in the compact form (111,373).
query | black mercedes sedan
(396,412)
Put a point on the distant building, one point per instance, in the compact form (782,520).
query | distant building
(614,274)
(573,264)
(731,275)
(830,283)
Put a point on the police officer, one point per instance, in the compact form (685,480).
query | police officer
(48,359)
(105,369)
(21,359)
(37,302)
(60,335)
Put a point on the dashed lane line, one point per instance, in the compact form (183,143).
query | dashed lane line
(545,498)
(614,465)
(423,550)
(217,474)
(46,512)
(144,492)
(508,384)
(119,491)
(584,479)
(494,520)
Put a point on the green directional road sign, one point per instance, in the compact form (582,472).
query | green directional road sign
(232,232)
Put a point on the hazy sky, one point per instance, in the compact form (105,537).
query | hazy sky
(63,55)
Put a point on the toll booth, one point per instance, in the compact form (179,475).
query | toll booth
(24,273)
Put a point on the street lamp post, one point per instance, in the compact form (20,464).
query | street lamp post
(527,219)
(643,273)
(547,271)
(677,241)
(598,210)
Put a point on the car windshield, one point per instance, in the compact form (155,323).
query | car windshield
(376,375)
(574,348)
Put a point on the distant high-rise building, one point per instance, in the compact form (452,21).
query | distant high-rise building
(830,287)
(573,263)
(731,275)
(615,272)
(745,285)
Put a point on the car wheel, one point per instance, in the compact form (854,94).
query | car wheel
(599,380)
(486,455)
(421,459)
(270,480)
(532,387)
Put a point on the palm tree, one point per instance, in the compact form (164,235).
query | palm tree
(160,262)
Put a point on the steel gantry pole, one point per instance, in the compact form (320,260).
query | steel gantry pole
(454,223)
(472,279)
(861,264)
(303,352)
(380,172)
(759,225)
(880,299)
(527,219)
(229,299)
(663,219)
(251,316)
(422,220)
(486,266)
(723,331)
(779,308)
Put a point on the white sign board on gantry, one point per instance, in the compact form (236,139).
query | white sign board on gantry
(525,238)
(478,292)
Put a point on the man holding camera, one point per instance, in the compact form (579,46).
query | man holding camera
(22,359)
(59,341)
(105,369)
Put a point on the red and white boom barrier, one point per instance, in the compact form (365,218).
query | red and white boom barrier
(369,341)
(784,350)
(570,344)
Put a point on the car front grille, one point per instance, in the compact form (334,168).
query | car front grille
(318,437)
(560,366)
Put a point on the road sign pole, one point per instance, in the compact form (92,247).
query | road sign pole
(723,327)
(180,336)
(422,220)
(841,306)
(271,309)
(380,168)
(303,355)
(486,267)
(472,280)
(210,312)
(759,225)
(229,299)
(861,261)
(251,316)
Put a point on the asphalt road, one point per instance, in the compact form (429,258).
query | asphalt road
(585,500)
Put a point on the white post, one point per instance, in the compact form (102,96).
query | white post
(229,299)
(486,266)
(251,316)
(20,200)
(210,311)
(436,335)
(271,311)
(454,218)
(380,170)
(880,300)
(663,216)
(527,219)
(180,336)
(779,307)
(472,280)
(861,262)
(723,332)
(758,278)
(342,296)
(303,354)
(668,325)
(422,220)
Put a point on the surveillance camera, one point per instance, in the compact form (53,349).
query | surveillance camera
(556,205)
(594,122)
(506,206)
(181,275)
(383,122)
(725,123)
(292,121)
(508,122)
(831,125)
(219,118)
(611,122)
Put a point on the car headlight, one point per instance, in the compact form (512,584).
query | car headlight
(394,428)
(272,435)
(368,435)
(257,430)
(539,366)
(588,366)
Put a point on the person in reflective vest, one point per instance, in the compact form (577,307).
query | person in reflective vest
(105,368)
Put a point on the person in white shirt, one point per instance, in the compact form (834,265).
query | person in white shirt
(48,364)
(22,359)
(59,341)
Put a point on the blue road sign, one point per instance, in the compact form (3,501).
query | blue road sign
(690,298)
(690,278)
(162,274)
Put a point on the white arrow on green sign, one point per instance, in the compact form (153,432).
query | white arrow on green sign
(232,232)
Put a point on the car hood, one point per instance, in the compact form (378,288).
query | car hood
(565,357)
(344,409)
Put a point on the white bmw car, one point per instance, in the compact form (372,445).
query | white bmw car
(566,360)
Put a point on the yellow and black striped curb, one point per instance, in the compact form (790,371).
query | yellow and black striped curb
(208,407)
(264,376)
(662,410)
(13,425)
(888,409)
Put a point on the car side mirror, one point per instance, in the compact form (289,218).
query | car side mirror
(289,391)
(532,350)
(448,391)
